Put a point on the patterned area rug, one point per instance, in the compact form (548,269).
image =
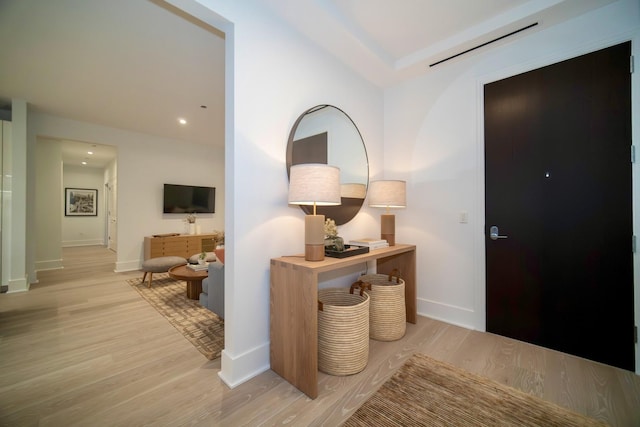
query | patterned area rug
(202,327)
(425,392)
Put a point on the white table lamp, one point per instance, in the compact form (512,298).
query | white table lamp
(388,194)
(318,185)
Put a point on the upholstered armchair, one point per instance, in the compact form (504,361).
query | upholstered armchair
(212,296)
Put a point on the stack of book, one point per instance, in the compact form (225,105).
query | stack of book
(198,267)
(370,243)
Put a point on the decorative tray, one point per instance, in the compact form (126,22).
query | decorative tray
(349,250)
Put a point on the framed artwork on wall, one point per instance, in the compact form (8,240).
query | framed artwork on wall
(80,202)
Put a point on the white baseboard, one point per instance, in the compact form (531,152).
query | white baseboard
(250,364)
(53,264)
(89,242)
(124,266)
(458,316)
(18,285)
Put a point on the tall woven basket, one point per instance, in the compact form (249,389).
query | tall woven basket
(387,312)
(343,331)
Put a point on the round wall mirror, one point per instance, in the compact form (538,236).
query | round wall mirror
(325,134)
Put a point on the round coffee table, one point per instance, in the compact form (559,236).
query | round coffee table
(192,277)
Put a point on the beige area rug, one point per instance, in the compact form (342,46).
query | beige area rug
(425,392)
(202,327)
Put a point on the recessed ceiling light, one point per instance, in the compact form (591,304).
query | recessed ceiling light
(182,121)
(89,152)
(84,163)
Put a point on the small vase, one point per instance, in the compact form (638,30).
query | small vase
(192,228)
(201,261)
(334,243)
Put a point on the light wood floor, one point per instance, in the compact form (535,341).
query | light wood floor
(83,348)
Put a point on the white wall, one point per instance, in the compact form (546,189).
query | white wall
(435,123)
(84,230)
(48,204)
(18,232)
(111,180)
(274,75)
(144,164)
(5,187)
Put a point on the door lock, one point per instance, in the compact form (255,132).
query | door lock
(494,233)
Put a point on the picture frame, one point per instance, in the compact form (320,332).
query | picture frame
(80,202)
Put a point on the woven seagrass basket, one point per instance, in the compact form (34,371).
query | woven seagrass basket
(387,312)
(343,331)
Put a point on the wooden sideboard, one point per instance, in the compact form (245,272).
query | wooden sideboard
(183,245)
(294,307)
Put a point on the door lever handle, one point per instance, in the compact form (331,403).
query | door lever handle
(494,233)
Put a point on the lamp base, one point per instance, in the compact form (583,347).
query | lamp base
(314,237)
(388,228)
(314,252)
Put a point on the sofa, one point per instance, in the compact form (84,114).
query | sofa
(212,295)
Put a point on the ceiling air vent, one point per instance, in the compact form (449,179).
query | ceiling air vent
(484,44)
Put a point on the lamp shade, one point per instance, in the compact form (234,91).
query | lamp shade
(388,194)
(314,184)
(353,190)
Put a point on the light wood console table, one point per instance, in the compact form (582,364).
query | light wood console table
(294,307)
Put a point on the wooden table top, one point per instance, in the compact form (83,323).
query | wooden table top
(182,272)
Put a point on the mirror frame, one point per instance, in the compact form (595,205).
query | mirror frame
(350,207)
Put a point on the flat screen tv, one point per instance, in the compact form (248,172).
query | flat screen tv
(188,199)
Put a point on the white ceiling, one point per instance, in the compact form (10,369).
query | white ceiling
(390,41)
(129,64)
(141,64)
